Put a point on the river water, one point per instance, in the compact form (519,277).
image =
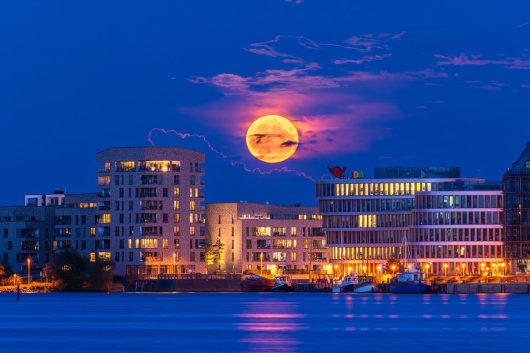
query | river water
(263,322)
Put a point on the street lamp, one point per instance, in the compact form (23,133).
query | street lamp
(445,270)
(261,263)
(29,268)
(174,262)
(427,266)
(393,267)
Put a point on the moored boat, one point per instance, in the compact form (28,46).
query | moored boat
(355,284)
(409,282)
(282,284)
(255,283)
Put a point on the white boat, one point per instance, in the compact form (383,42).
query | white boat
(355,284)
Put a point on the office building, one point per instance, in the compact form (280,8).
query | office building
(516,188)
(372,222)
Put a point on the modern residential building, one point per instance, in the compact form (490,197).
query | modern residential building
(370,222)
(26,237)
(516,188)
(150,210)
(75,225)
(262,237)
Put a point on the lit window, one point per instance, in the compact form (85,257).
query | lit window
(192,230)
(92,257)
(177,217)
(192,205)
(176,191)
(106,218)
(92,231)
(176,204)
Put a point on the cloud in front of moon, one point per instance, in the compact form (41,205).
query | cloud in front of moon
(272,139)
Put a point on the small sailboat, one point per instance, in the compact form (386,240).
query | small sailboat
(411,281)
(282,284)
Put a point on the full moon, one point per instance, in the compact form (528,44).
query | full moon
(272,139)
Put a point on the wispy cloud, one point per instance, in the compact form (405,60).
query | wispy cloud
(312,87)
(518,63)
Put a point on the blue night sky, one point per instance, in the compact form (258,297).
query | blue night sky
(367,83)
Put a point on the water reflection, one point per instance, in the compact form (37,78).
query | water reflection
(269,326)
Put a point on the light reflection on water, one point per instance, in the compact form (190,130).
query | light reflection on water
(263,322)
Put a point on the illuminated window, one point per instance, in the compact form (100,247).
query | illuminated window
(105,219)
(262,231)
(176,191)
(104,255)
(192,205)
(92,231)
(103,180)
(177,217)
(129,243)
(165,243)
(293,231)
(196,192)
(154,166)
(302,216)
(107,166)
(367,221)
(176,205)
(176,231)
(192,230)
(191,217)
(191,192)
(92,257)
(293,256)
(305,244)
(125,166)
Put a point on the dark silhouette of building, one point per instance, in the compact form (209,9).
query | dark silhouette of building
(516,187)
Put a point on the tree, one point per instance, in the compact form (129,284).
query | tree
(5,270)
(76,273)
(214,253)
(70,269)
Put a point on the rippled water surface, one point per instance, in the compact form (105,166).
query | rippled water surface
(264,322)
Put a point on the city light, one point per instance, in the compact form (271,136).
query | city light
(29,269)
(445,270)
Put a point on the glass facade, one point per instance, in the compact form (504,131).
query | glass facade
(516,188)
(367,221)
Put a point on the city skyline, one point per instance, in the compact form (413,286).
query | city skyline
(366,85)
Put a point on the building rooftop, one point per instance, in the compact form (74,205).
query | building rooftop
(522,164)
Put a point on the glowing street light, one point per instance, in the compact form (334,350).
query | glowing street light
(261,263)
(174,262)
(393,267)
(29,268)
(445,270)
(427,266)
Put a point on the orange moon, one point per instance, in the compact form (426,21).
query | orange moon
(272,139)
